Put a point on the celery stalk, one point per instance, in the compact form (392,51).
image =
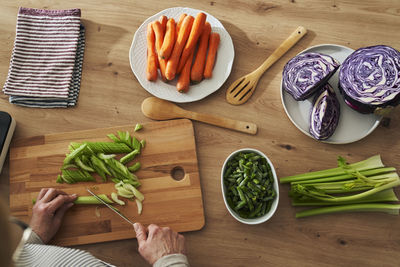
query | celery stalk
(89,200)
(340,199)
(347,176)
(383,196)
(356,185)
(367,164)
(93,200)
(370,207)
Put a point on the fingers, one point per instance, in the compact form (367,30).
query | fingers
(153,230)
(141,235)
(42,193)
(59,201)
(181,241)
(51,194)
(61,211)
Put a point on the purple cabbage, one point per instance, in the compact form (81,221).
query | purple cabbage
(325,113)
(306,73)
(369,79)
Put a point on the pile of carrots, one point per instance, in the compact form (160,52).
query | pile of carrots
(171,48)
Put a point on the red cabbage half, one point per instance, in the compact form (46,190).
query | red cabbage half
(324,114)
(306,73)
(369,79)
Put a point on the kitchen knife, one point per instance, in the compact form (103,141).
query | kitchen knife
(110,207)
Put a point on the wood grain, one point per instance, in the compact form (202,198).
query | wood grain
(111,96)
(168,202)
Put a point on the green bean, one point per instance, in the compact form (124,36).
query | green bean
(240,204)
(233,190)
(241,195)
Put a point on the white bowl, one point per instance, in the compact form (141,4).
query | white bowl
(274,206)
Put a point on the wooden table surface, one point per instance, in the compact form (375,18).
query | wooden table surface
(111,96)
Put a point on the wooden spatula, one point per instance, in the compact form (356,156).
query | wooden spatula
(243,88)
(158,109)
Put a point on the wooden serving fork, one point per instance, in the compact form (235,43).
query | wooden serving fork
(243,88)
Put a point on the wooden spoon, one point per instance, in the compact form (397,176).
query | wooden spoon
(242,89)
(158,109)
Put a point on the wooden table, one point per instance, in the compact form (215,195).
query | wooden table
(110,96)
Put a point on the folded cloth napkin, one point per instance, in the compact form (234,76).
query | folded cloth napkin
(46,62)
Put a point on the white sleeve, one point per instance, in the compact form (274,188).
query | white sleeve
(172,260)
(32,238)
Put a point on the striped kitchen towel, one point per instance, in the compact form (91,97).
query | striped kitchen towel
(46,63)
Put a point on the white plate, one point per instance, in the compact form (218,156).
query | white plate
(167,91)
(352,126)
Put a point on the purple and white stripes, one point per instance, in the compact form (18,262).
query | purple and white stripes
(46,50)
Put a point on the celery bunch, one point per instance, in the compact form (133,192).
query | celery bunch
(361,186)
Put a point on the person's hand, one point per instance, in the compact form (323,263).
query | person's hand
(158,242)
(48,212)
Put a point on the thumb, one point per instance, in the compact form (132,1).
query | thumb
(141,235)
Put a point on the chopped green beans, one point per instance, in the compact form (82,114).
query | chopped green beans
(248,180)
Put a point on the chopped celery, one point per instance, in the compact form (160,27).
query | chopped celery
(99,157)
(138,126)
(113,137)
(74,154)
(130,156)
(108,147)
(69,166)
(143,143)
(115,198)
(104,156)
(76,176)
(139,206)
(59,179)
(99,164)
(134,167)
(82,165)
(136,144)
(136,192)
(124,193)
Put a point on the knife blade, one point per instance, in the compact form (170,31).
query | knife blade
(110,207)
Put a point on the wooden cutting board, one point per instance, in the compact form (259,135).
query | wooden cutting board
(170,152)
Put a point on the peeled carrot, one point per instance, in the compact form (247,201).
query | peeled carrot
(173,60)
(196,73)
(169,40)
(195,33)
(178,24)
(213,44)
(159,34)
(163,21)
(151,70)
(184,77)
